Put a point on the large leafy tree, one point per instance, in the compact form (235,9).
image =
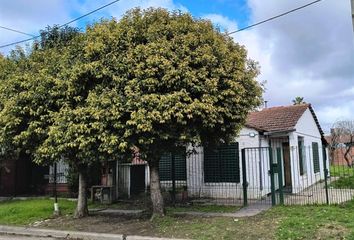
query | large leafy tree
(181,81)
(56,106)
(155,80)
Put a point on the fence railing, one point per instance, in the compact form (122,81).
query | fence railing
(279,175)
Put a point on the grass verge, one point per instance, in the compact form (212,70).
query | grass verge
(281,222)
(23,212)
(341,171)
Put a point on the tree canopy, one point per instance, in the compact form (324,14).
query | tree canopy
(182,81)
(298,100)
(154,80)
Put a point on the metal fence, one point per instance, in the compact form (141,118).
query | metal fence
(281,174)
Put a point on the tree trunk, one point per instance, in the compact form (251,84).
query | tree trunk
(349,163)
(158,208)
(81,209)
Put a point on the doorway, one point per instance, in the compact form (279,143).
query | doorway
(287,166)
(137,179)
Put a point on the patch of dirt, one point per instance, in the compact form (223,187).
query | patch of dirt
(257,227)
(102,224)
(331,231)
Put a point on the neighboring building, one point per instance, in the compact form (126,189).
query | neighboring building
(62,185)
(338,145)
(20,176)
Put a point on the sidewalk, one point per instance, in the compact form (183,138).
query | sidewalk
(36,232)
(248,211)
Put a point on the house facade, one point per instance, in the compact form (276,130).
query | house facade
(291,133)
(289,137)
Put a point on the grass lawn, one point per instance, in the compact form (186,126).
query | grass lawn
(281,222)
(341,170)
(23,212)
(345,177)
(287,222)
(345,182)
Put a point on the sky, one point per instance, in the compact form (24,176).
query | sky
(308,53)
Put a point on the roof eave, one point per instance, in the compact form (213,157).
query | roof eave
(279,132)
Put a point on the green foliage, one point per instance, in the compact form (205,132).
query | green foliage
(341,170)
(182,80)
(346,182)
(54,107)
(56,36)
(298,100)
(154,79)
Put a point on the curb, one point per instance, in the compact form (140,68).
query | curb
(37,232)
(34,232)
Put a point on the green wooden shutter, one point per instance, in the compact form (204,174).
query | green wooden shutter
(222,164)
(211,165)
(315,157)
(180,166)
(165,166)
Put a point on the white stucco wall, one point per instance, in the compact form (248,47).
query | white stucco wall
(306,128)
(257,170)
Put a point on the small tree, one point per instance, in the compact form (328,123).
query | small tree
(298,101)
(183,82)
(343,139)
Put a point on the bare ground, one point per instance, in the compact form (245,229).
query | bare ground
(256,227)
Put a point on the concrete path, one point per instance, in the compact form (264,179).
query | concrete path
(248,211)
(117,212)
(9,232)
(316,194)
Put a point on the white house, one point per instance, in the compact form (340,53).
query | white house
(293,136)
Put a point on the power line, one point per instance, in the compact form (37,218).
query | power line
(63,25)
(272,18)
(16,31)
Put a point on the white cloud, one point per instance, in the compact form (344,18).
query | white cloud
(118,9)
(30,17)
(308,53)
(36,15)
(224,23)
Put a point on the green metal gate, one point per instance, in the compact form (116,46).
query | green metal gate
(262,175)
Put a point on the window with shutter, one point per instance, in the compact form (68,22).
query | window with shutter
(315,157)
(222,164)
(165,166)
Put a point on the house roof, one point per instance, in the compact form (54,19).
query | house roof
(277,119)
